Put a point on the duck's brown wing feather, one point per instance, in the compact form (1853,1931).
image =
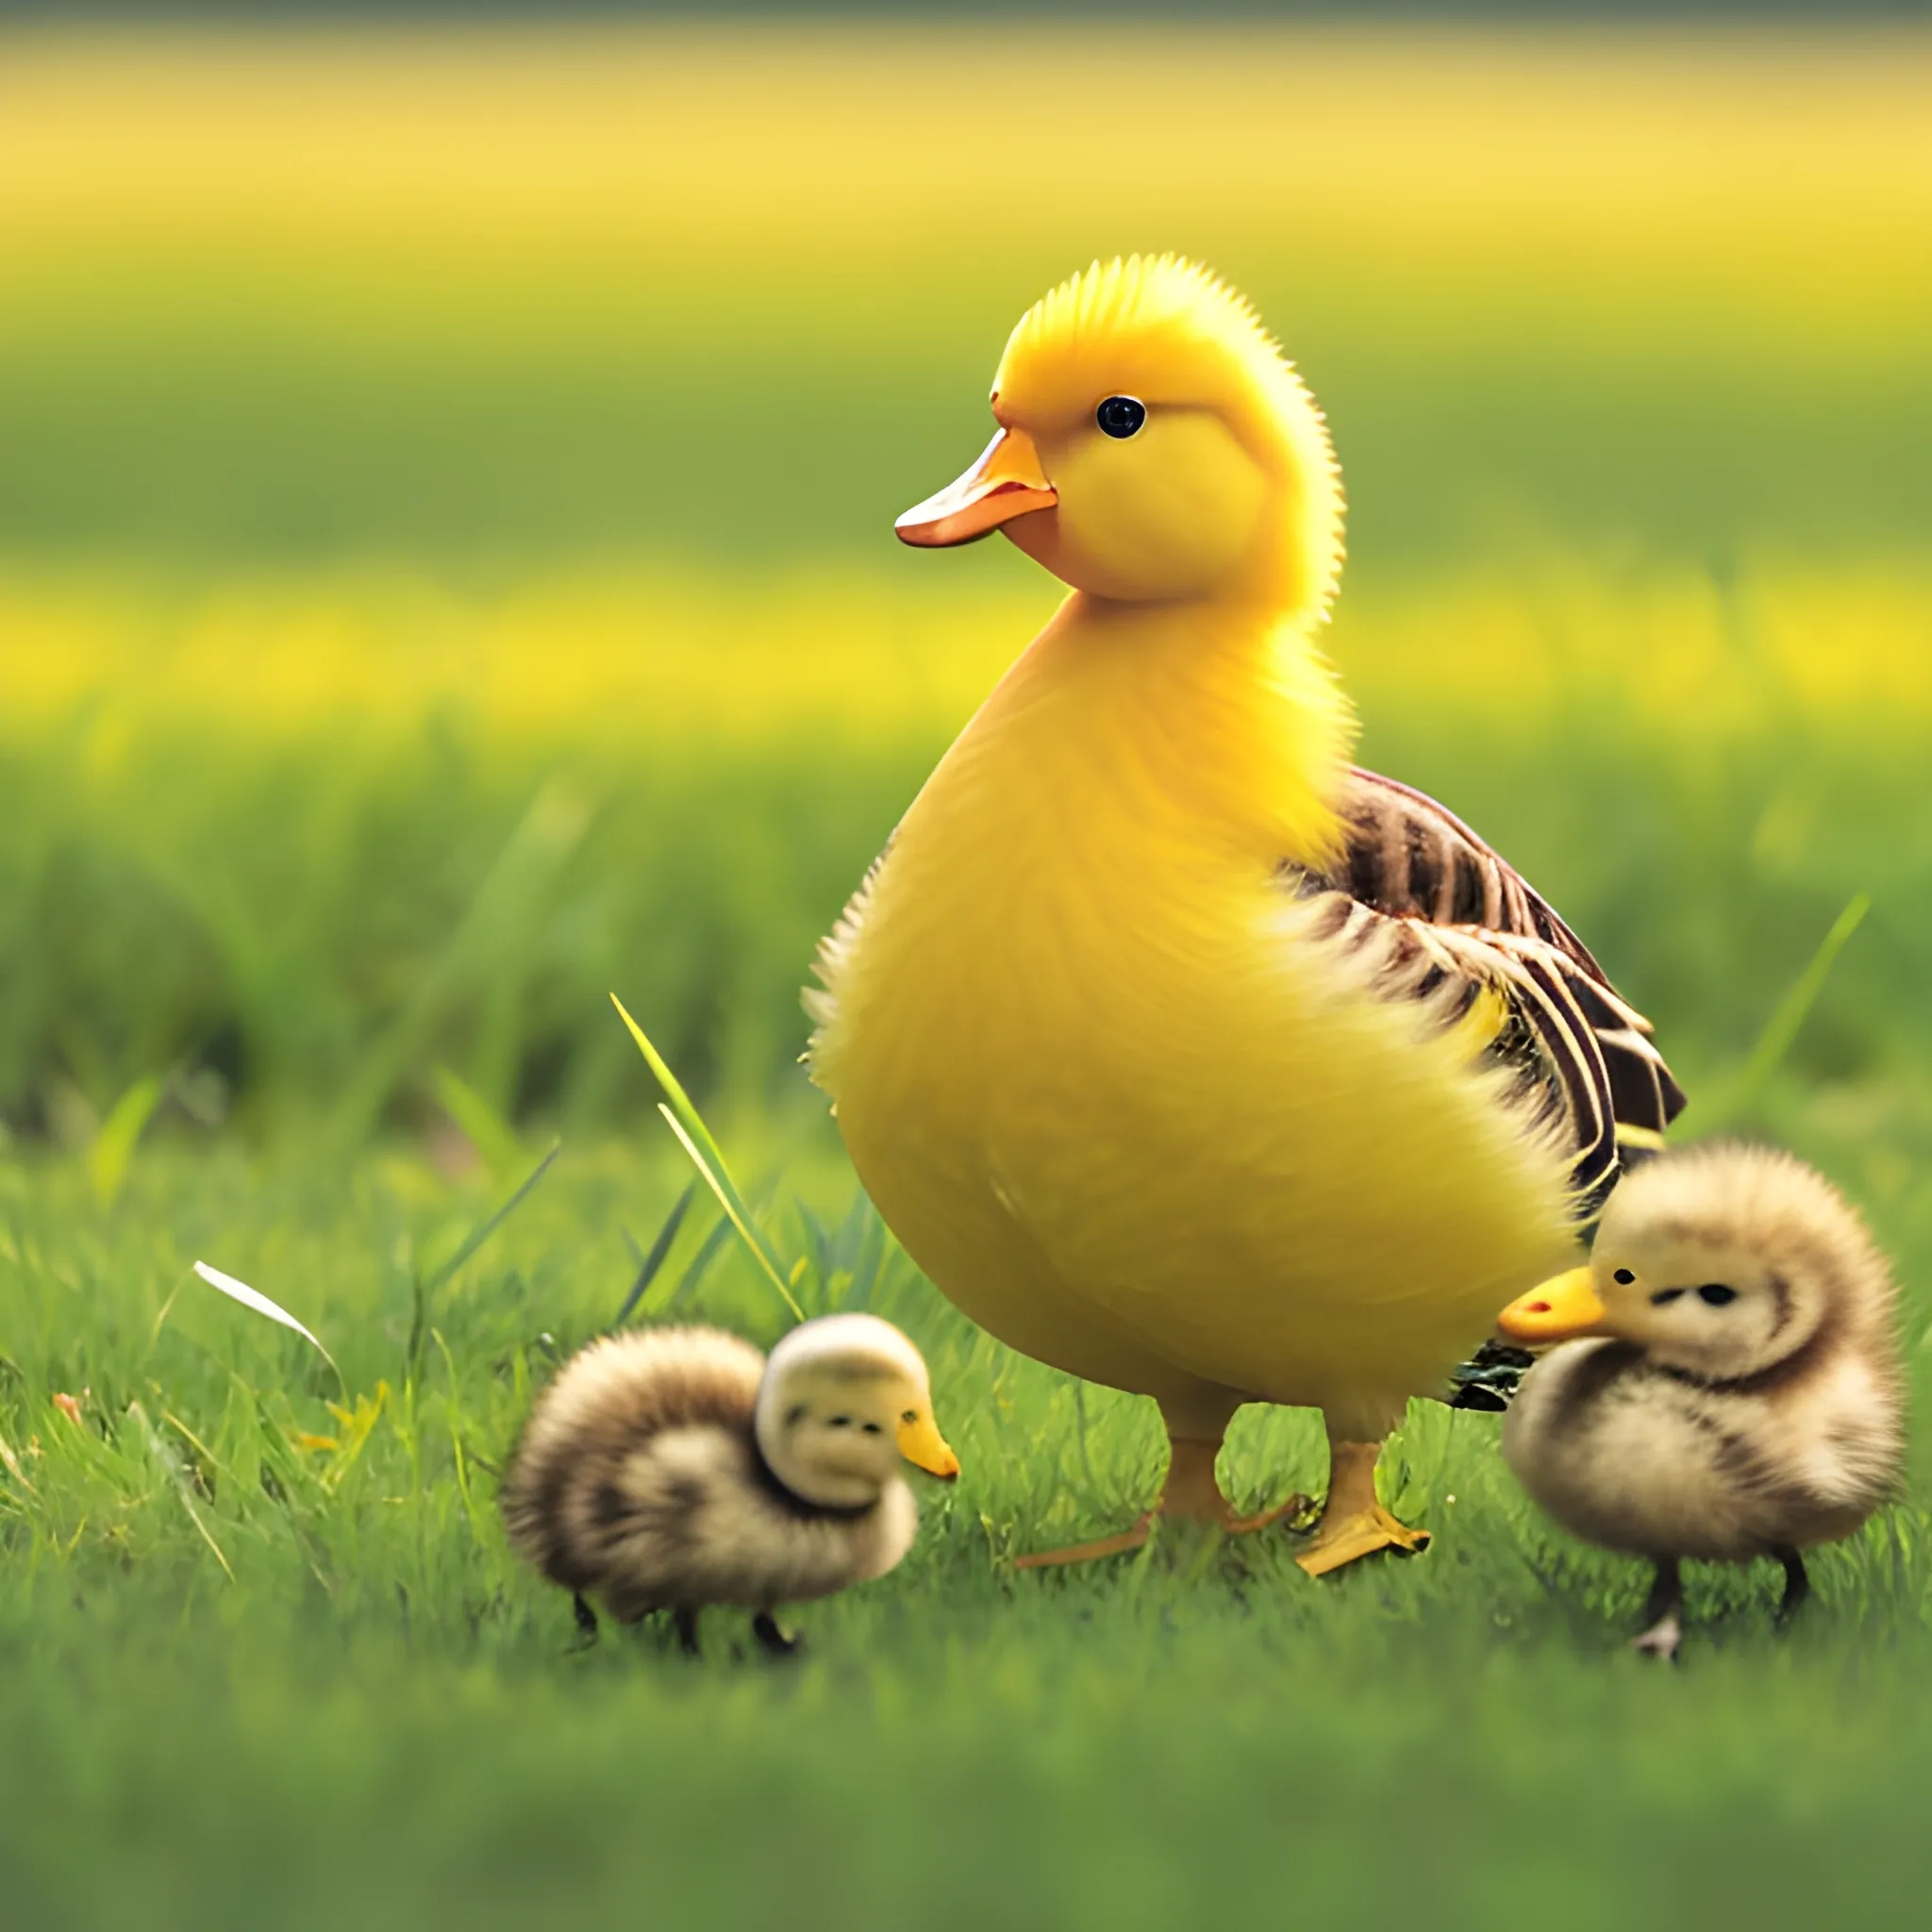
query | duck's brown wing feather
(1445,909)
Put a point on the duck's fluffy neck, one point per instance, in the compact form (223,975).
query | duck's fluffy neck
(1214,720)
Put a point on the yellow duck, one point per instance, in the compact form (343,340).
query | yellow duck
(1180,1054)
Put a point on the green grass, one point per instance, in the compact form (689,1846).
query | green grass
(379,1715)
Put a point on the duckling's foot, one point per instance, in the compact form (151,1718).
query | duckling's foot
(1354,1524)
(1663,1639)
(587,1621)
(773,1638)
(1088,1553)
(1663,1614)
(685,1621)
(1797,1585)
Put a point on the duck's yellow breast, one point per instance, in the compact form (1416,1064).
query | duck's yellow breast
(1110,1092)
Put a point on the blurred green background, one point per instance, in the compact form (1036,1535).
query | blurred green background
(446,574)
(397,423)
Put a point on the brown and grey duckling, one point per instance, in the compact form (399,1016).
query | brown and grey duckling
(1726,1383)
(674,1468)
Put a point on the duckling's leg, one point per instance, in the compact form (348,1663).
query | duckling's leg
(773,1638)
(586,1620)
(685,1621)
(1663,1614)
(1797,1585)
(1354,1524)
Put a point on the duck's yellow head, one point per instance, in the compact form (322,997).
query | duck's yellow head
(1153,444)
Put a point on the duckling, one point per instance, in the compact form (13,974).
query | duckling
(1180,1053)
(1725,1384)
(673,1468)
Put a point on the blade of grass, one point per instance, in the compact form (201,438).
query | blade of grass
(183,1488)
(113,1146)
(821,1244)
(456,1427)
(486,1130)
(649,1264)
(1787,1021)
(480,1233)
(661,1299)
(737,1214)
(686,1121)
(254,1298)
(487,941)
(427,1285)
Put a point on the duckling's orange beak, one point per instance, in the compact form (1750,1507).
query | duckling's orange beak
(921,1444)
(1005,483)
(1560,1308)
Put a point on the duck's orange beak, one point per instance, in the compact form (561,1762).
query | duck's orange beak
(921,1444)
(1005,482)
(1553,1313)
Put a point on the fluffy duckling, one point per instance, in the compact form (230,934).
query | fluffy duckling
(1725,1384)
(672,1468)
(1179,1052)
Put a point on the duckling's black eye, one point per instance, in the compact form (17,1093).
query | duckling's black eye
(871,1429)
(1716,1293)
(1624,1277)
(839,1422)
(1663,1296)
(1120,417)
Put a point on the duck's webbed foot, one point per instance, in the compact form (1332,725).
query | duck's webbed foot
(1088,1553)
(1663,1634)
(1191,1493)
(1354,1524)
(1188,1491)
(1797,1585)
(773,1638)
(1297,1504)
(685,1622)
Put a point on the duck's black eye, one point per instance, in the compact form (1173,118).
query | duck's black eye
(1624,1277)
(1120,417)
(1716,1293)
(872,1429)
(1663,1296)
(839,1422)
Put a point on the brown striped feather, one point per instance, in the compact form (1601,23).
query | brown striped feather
(1443,906)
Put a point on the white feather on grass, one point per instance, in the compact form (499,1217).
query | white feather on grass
(254,1298)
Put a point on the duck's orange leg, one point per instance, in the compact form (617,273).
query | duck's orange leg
(1190,1493)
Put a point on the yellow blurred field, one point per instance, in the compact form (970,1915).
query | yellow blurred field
(838,660)
(1598,174)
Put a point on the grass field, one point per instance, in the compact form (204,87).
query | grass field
(444,576)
